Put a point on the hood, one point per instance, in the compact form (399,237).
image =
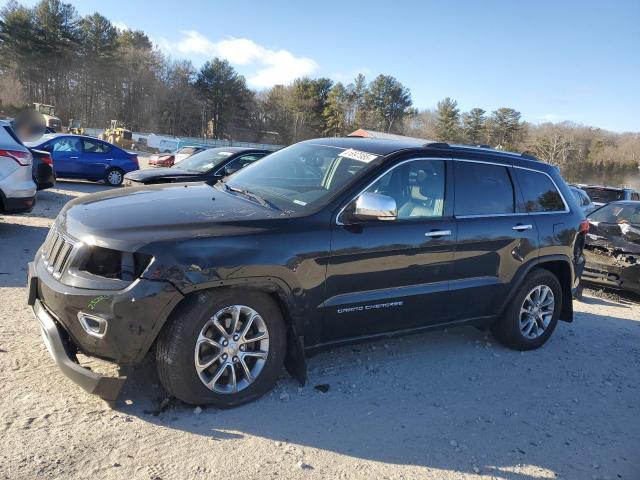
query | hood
(622,237)
(127,218)
(161,174)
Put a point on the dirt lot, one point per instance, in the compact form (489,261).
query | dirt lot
(443,405)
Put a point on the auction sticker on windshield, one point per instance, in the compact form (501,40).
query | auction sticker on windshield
(358,155)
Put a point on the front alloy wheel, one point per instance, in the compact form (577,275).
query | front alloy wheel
(222,347)
(231,349)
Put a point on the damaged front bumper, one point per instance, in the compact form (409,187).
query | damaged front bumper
(612,268)
(105,387)
(126,323)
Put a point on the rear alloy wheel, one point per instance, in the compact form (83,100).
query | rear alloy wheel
(532,315)
(536,311)
(222,347)
(114,177)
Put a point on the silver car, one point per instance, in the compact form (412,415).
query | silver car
(583,199)
(17,189)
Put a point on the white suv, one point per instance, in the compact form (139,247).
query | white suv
(17,189)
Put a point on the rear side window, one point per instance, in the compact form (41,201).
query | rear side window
(93,146)
(539,192)
(482,189)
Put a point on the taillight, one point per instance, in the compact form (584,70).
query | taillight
(584,226)
(23,158)
(47,159)
(135,159)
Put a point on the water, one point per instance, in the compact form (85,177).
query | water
(616,176)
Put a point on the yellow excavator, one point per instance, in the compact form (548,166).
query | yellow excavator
(117,134)
(75,127)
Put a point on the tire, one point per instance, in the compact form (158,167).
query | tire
(114,177)
(511,328)
(177,351)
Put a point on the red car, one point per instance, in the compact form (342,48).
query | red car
(162,160)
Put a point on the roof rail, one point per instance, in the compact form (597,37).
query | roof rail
(437,144)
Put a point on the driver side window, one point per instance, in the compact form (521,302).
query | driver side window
(66,144)
(418,188)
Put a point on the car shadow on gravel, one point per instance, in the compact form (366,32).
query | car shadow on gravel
(450,400)
(19,244)
(83,186)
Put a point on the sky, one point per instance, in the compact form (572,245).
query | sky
(551,60)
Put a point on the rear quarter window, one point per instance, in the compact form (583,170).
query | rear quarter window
(482,189)
(539,192)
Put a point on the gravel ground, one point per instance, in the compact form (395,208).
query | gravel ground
(443,405)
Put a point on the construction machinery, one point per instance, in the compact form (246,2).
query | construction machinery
(117,134)
(48,112)
(75,127)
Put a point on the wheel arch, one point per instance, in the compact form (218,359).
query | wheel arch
(558,265)
(281,294)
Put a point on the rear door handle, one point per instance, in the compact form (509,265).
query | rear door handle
(522,228)
(73,158)
(438,233)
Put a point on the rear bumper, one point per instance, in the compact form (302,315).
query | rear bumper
(105,387)
(16,204)
(44,177)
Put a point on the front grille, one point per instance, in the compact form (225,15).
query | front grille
(56,252)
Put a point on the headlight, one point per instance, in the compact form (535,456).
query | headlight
(104,262)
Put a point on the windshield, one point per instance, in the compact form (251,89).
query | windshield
(618,213)
(604,195)
(205,160)
(187,150)
(302,176)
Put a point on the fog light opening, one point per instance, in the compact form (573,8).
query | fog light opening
(93,325)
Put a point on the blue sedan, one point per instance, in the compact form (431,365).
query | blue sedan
(77,156)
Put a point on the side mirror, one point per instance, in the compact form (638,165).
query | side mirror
(370,207)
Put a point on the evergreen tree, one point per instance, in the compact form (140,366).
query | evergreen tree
(387,102)
(335,111)
(448,121)
(506,129)
(474,126)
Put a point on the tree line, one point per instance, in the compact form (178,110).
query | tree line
(575,149)
(92,71)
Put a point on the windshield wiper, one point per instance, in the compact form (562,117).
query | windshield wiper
(251,195)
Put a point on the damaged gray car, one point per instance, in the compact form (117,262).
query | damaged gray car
(612,248)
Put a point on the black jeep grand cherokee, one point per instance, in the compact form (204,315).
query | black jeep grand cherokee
(324,242)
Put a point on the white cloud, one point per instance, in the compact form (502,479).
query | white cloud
(270,67)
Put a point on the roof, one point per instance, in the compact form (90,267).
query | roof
(361,132)
(394,143)
(370,145)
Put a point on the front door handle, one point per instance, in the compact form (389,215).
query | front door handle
(522,228)
(73,158)
(438,233)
